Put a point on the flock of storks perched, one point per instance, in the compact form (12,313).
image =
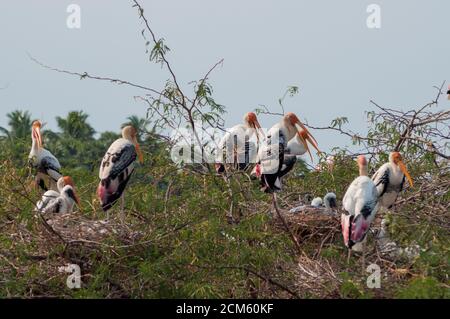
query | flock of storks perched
(277,151)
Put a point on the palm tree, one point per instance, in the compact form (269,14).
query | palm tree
(19,125)
(75,126)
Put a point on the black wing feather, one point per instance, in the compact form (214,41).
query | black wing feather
(48,163)
(120,161)
(384,180)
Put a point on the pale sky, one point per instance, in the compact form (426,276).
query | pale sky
(322,46)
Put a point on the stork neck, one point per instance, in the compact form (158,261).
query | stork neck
(363,170)
(127,137)
(288,130)
(34,144)
(60,185)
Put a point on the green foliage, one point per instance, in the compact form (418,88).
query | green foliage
(424,288)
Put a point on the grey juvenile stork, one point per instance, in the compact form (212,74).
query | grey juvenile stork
(62,201)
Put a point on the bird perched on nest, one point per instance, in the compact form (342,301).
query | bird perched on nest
(317,202)
(329,201)
(317,205)
(62,201)
(361,204)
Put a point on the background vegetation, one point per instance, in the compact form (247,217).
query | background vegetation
(189,233)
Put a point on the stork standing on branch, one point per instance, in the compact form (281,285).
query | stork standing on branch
(235,146)
(274,160)
(390,178)
(45,163)
(361,204)
(117,167)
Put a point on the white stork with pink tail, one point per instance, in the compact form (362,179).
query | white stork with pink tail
(117,167)
(361,204)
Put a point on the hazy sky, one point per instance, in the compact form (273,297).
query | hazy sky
(324,47)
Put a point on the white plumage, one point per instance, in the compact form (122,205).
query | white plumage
(117,166)
(361,204)
(390,178)
(59,202)
(237,147)
(317,202)
(44,162)
(275,159)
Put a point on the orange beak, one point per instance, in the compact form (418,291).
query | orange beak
(305,137)
(405,171)
(139,152)
(77,200)
(37,135)
(257,128)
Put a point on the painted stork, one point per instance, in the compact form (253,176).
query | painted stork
(59,202)
(235,146)
(45,163)
(117,167)
(390,178)
(274,161)
(361,204)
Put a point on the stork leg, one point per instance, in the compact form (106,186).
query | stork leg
(364,256)
(349,255)
(122,208)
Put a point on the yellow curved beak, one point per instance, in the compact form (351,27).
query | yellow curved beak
(257,128)
(139,152)
(405,171)
(308,138)
(38,136)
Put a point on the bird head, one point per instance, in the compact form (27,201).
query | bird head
(396,159)
(252,121)
(68,181)
(130,133)
(36,133)
(303,134)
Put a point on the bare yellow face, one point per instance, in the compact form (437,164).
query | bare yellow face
(68,181)
(252,121)
(303,133)
(396,157)
(398,160)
